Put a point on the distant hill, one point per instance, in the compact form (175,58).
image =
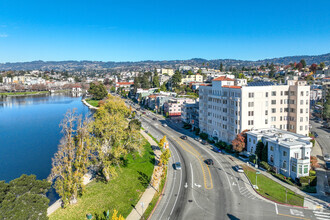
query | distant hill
(98,65)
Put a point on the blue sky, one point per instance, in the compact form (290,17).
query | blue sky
(125,30)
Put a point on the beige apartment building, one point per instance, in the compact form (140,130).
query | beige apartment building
(192,78)
(230,106)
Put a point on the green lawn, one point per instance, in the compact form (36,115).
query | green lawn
(273,190)
(92,102)
(23,93)
(121,194)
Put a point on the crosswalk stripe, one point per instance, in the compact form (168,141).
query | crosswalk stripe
(322,218)
(323,213)
(320,215)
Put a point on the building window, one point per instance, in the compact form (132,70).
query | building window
(286,92)
(301,110)
(266,121)
(306,110)
(266,112)
(271,148)
(250,140)
(284,153)
(296,155)
(281,93)
(271,159)
(294,168)
(284,165)
(250,122)
(251,113)
(251,95)
(300,169)
(254,141)
(273,102)
(273,93)
(292,93)
(273,110)
(305,169)
(301,128)
(251,104)
(301,102)
(301,119)
(273,118)
(302,93)
(266,94)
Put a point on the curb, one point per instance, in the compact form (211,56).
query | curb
(160,197)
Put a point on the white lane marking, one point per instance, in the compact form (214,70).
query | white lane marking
(186,185)
(276,209)
(192,177)
(179,184)
(199,186)
(296,212)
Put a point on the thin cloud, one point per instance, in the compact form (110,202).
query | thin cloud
(3,35)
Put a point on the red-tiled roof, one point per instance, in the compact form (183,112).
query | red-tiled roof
(233,87)
(125,83)
(223,78)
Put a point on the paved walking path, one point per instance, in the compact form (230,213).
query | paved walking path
(147,196)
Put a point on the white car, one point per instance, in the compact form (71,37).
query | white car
(164,125)
(326,157)
(239,169)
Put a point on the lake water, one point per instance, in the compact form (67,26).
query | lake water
(30,132)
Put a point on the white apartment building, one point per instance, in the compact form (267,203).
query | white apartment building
(229,106)
(192,78)
(288,153)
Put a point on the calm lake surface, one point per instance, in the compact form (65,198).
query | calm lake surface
(30,132)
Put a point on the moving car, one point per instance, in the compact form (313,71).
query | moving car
(209,162)
(184,137)
(177,166)
(164,125)
(239,169)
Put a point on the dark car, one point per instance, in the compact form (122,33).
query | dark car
(315,134)
(327,165)
(215,149)
(184,137)
(154,119)
(204,142)
(209,162)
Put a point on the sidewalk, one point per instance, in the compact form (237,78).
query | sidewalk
(310,201)
(147,196)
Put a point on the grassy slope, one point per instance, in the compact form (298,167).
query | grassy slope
(94,103)
(273,190)
(120,193)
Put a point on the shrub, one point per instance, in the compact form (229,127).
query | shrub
(288,180)
(252,159)
(312,173)
(308,180)
(265,165)
(197,130)
(204,136)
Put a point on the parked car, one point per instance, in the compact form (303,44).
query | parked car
(164,125)
(315,134)
(177,166)
(326,157)
(327,165)
(209,162)
(154,119)
(184,137)
(239,169)
(144,113)
(204,142)
(146,131)
(198,139)
(215,149)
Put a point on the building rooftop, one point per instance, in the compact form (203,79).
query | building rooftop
(285,138)
(223,78)
(261,83)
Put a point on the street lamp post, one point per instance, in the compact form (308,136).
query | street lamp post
(257,172)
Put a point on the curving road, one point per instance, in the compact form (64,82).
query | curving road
(198,191)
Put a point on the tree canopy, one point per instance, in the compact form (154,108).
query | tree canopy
(24,198)
(98,91)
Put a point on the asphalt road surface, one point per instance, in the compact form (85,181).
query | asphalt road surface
(199,191)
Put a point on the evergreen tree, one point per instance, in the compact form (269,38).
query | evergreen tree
(24,198)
